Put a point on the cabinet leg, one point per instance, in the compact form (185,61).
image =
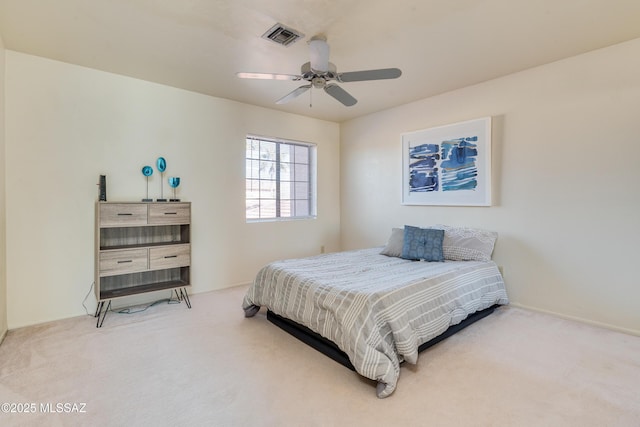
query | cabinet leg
(98,308)
(104,314)
(185,296)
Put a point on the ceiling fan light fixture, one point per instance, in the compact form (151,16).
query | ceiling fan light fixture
(318,82)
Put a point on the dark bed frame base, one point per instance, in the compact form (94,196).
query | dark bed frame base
(328,348)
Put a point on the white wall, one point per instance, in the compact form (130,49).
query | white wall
(3,270)
(568,230)
(566,175)
(66,125)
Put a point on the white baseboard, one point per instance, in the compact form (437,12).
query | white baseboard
(579,319)
(4,334)
(235,285)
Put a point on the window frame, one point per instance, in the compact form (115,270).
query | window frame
(252,176)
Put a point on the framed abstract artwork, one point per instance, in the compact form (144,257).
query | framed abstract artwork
(448,165)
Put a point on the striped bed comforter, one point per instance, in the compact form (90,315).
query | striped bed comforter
(377,309)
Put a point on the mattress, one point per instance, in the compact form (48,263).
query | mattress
(376,309)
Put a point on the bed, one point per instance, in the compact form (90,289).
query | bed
(374,307)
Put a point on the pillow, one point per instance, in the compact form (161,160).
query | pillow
(394,244)
(422,243)
(467,244)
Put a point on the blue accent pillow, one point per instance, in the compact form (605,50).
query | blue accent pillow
(422,243)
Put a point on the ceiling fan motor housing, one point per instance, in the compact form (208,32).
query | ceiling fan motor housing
(319,53)
(318,78)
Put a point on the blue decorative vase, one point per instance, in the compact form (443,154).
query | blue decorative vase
(161,165)
(174,181)
(147,171)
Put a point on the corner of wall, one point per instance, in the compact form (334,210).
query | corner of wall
(3,252)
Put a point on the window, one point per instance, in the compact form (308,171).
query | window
(280,179)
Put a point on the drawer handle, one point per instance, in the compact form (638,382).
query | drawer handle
(171,213)
(171,256)
(124,214)
(125,261)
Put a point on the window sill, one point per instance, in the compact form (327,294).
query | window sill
(296,218)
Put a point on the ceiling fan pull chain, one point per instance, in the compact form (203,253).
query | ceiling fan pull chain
(311,98)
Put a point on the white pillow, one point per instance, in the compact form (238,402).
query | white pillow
(467,244)
(395,242)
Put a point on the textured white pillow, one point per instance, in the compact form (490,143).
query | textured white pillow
(467,244)
(394,245)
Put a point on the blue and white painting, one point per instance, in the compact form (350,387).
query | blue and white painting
(459,167)
(423,169)
(448,165)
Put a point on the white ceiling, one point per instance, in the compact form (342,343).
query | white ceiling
(199,45)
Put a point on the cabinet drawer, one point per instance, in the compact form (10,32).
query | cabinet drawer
(123,214)
(123,261)
(170,213)
(169,256)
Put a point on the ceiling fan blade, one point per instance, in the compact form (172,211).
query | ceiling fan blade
(340,94)
(293,94)
(268,76)
(381,74)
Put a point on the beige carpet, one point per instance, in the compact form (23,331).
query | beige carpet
(209,366)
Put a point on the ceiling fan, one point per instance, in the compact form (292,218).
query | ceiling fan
(320,74)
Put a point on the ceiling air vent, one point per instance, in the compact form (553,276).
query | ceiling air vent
(282,35)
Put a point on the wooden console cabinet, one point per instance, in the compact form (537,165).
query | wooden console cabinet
(141,247)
